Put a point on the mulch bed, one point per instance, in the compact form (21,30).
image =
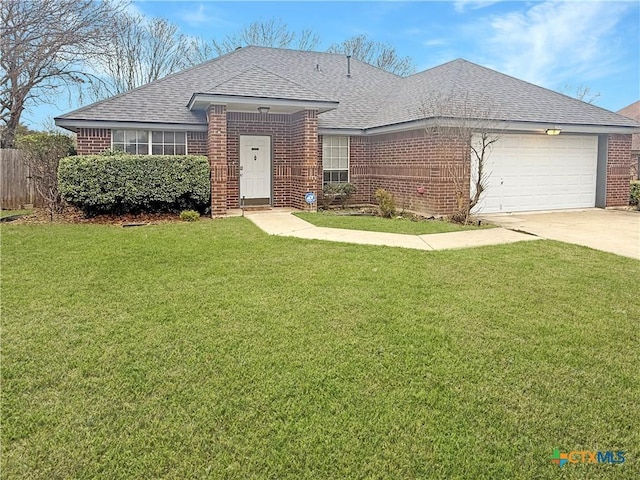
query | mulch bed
(72,215)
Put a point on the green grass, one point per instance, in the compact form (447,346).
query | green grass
(378,224)
(9,213)
(211,350)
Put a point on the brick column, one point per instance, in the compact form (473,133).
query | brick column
(618,170)
(217,154)
(306,166)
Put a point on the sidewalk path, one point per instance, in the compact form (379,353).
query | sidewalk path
(283,223)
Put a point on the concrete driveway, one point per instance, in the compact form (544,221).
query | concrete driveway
(614,231)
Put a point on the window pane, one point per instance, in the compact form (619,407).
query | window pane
(131,148)
(181,150)
(168,150)
(169,137)
(118,147)
(326,176)
(143,149)
(344,176)
(156,137)
(156,149)
(118,136)
(181,137)
(343,141)
(143,136)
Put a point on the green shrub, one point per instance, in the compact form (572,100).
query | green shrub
(386,203)
(189,216)
(346,190)
(342,191)
(634,193)
(329,194)
(135,183)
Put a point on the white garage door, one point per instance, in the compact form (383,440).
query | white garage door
(540,172)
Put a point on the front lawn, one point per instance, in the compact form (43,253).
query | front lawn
(379,224)
(211,350)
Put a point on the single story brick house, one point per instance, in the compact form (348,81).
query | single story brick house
(277,124)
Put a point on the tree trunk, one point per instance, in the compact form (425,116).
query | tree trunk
(9,137)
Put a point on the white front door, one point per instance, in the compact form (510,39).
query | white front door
(255,169)
(539,172)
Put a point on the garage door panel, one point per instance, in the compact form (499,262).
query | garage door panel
(539,172)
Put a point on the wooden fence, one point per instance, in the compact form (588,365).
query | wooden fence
(17,189)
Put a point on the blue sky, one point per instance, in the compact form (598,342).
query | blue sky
(549,43)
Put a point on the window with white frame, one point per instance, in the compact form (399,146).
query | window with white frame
(335,159)
(149,142)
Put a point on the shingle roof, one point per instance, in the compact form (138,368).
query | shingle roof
(259,82)
(467,89)
(370,97)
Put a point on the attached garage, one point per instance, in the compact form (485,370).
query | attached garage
(540,172)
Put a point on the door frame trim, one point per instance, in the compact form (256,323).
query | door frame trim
(266,135)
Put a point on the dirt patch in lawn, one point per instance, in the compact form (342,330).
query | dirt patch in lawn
(72,215)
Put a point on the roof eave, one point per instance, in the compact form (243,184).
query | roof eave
(503,125)
(75,124)
(201,101)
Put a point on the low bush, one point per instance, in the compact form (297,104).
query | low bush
(341,191)
(386,203)
(346,191)
(125,183)
(634,193)
(189,216)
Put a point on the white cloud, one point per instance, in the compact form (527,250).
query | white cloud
(462,5)
(197,17)
(435,42)
(552,42)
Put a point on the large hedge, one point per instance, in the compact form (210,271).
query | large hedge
(124,183)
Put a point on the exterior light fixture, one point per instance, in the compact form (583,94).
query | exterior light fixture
(264,110)
(553,131)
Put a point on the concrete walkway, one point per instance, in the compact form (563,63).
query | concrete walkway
(282,222)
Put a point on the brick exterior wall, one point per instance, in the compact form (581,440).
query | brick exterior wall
(415,167)
(619,162)
(275,126)
(217,153)
(306,169)
(93,141)
(359,169)
(197,143)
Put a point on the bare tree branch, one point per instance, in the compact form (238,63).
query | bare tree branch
(379,54)
(466,133)
(43,45)
(581,92)
(267,33)
(140,52)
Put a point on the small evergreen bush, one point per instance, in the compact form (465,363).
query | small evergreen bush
(189,216)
